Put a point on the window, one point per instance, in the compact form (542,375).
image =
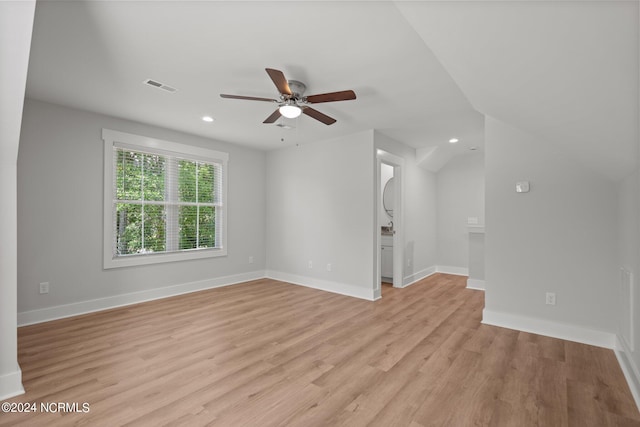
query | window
(163,201)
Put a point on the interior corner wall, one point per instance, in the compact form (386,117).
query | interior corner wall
(460,196)
(419,211)
(60,214)
(629,259)
(16,24)
(320,214)
(629,245)
(559,237)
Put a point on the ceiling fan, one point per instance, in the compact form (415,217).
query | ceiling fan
(292,101)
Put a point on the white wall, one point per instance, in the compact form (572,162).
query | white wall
(476,260)
(60,181)
(560,237)
(628,226)
(419,211)
(628,253)
(460,196)
(629,259)
(321,209)
(16,24)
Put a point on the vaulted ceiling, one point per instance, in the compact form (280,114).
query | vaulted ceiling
(423,72)
(566,72)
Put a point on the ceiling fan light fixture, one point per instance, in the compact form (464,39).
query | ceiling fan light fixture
(290,111)
(291,93)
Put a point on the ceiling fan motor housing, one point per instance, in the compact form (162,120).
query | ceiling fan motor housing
(297,88)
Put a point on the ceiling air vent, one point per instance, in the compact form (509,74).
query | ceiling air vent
(159,85)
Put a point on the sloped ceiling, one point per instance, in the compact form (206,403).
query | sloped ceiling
(566,72)
(95,55)
(423,71)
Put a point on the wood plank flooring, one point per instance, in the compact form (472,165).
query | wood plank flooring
(267,353)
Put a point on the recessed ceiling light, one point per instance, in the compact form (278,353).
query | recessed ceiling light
(207,119)
(453,140)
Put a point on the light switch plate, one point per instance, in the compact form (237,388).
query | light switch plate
(522,187)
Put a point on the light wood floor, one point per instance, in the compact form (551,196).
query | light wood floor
(266,353)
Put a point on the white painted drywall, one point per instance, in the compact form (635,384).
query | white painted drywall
(628,252)
(476,256)
(60,181)
(560,237)
(321,209)
(16,23)
(628,225)
(460,196)
(419,210)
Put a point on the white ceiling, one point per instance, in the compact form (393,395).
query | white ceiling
(563,72)
(95,55)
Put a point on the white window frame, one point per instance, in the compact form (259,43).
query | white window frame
(113,137)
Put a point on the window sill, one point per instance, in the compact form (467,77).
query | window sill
(134,260)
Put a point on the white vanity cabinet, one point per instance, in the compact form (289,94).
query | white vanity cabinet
(386,264)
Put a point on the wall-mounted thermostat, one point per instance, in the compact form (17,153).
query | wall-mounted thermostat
(522,187)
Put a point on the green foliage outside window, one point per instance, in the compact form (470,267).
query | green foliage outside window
(197,223)
(142,226)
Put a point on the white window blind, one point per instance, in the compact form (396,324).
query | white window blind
(165,199)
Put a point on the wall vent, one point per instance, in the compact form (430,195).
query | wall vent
(626,307)
(159,85)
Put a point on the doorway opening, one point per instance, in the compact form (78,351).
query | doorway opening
(385,220)
(389,225)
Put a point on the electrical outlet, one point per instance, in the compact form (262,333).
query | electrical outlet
(328,267)
(551,298)
(310,264)
(250,260)
(408,262)
(44,288)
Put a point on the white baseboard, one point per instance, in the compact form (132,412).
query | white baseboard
(476,284)
(324,285)
(83,307)
(11,384)
(447,269)
(417,276)
(629,368)
(551,329)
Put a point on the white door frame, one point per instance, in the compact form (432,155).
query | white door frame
(398,219)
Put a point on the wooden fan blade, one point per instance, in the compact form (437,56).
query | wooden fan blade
(273,117)
(344,95)
(321,117)
(279,80)
(248,98)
